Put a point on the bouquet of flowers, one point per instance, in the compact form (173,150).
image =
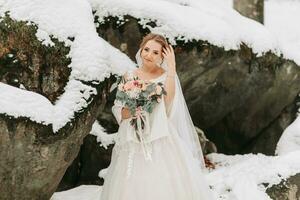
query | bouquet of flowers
(140,97)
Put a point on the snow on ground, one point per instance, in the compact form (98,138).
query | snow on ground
(83,192)
(237,177)
(240,177)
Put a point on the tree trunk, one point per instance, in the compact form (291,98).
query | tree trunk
(253,9)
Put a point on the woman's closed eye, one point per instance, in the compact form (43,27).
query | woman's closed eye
(155,52)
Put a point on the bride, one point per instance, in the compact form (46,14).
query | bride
(172,167)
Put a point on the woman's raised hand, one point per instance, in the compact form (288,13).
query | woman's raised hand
(169,55)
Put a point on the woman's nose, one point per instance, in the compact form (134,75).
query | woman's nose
(148,55)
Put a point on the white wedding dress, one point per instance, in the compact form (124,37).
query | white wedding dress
(172,173)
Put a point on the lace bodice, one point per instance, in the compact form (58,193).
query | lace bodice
(158,119)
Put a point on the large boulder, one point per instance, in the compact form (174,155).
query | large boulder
(33,157)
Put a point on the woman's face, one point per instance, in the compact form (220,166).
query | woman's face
(152,53)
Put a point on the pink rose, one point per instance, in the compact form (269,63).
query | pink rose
(135,83)
(128,85)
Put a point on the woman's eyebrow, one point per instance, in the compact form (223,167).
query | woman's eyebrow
(153,50)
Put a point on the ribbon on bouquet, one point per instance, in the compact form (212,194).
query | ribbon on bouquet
(143,117)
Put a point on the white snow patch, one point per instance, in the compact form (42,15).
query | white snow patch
(200,20)
(240,177)
(290,139)
(83,192)
(19,102)
(102,137)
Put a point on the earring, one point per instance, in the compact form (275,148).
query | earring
(162,60)
(159,63)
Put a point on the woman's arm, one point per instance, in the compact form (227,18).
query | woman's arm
(170,88)
(169,55)
(119,111)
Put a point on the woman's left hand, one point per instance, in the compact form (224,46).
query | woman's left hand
(168,54)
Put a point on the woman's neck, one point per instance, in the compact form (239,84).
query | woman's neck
(149,69)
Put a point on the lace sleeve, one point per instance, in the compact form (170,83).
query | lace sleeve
(117,107)
(117,111)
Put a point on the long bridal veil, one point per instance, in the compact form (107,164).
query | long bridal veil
(180,117)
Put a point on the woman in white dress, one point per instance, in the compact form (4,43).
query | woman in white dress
(169,165)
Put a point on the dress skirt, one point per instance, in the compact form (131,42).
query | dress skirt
(171,174)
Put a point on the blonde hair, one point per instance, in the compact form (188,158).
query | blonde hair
(156,37)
